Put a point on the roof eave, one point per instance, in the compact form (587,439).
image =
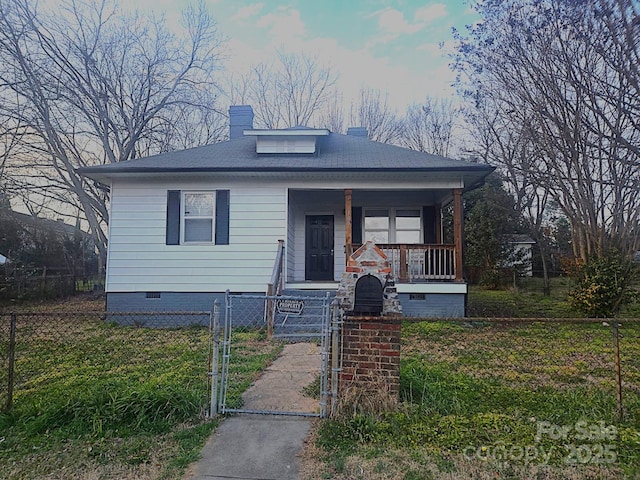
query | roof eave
(87,171)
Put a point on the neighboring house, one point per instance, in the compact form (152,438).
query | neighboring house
(522,252)
(51,245)
(186,226)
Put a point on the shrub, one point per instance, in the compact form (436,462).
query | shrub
(604,285)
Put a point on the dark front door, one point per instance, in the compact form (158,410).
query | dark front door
(319,248)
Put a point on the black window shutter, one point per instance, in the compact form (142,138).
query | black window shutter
(429,223)
(173,217)
(222,217)
(356,225)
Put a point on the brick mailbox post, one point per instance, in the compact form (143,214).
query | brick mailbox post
(371,356)
(371,328)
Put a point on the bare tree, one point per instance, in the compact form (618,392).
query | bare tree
(372,111)
(558,71)
(428,127)
(287,92)
(87,84)
(501,141)
(332,115)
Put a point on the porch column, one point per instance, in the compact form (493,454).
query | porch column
(457,232)
(438,223)
(348,224)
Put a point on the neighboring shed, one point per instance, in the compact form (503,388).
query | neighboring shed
(523,251)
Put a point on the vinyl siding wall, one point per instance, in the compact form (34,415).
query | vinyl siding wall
(262,211)
(139,260)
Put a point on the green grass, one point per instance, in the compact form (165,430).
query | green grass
(529,301)
(490,385)
(105,401)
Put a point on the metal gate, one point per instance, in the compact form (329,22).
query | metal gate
(271,355)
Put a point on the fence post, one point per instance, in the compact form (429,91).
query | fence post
(12,360)
(616,347)
(335,361)
(269,304)
(213,408)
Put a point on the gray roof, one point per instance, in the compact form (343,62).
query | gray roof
(335,152)
(520,238)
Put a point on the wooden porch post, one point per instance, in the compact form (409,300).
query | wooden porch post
(348,224)
(438,223)
(457,232)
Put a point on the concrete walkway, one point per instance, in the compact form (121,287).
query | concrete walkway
(265,447)
(252,447)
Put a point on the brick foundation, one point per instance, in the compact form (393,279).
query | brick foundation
(371,357)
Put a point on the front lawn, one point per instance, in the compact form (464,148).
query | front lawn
(99,400)
(494,400)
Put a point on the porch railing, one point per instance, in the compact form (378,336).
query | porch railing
(274,287)
(416,262)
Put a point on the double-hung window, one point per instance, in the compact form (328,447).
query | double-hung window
(392,225)
(407,223)
(195,217)
(376,225)
(198,217)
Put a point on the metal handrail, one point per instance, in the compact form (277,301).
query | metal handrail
(274,287)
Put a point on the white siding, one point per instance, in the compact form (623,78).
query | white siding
(262,211)
(139,259)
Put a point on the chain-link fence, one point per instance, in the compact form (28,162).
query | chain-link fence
(62,358)
(557,354)
(295,331)
(74,359)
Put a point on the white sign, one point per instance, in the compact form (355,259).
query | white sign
(290,306)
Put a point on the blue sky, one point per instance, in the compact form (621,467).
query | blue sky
(388,45)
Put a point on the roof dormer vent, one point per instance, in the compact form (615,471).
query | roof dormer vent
(290,140)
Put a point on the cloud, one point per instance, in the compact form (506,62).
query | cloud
(248,11)
(439,49)
(434,49)
(282,28)
(429,13)
(361,68)
(393,22)
(284,25)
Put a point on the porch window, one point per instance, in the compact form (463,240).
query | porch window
(393,225)
(199,216)
(408,226)
(376,226)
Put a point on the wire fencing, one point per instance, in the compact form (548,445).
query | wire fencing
(63,358)
(572,358)
(59,358)
(292,331)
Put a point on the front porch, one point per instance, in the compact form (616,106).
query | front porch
(325,226)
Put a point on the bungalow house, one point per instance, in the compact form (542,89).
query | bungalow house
(187,225)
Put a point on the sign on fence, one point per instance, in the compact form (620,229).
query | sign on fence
(285,305)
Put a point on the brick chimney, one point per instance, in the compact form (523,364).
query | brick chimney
(240,119)
(358,132)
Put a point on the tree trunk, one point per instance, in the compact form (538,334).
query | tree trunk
(546,284)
